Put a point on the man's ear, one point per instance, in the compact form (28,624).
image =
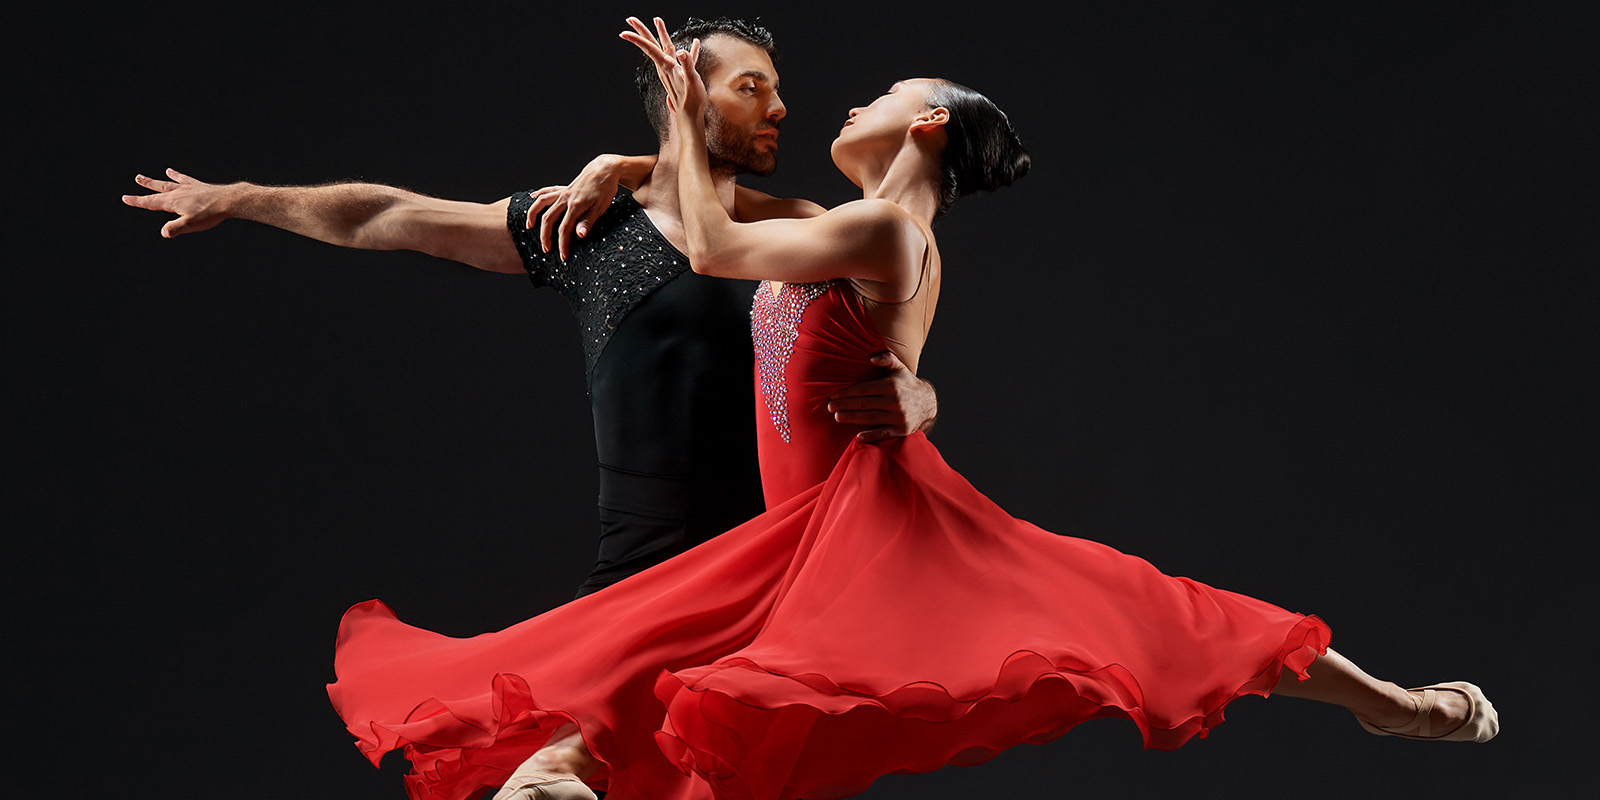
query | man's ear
(931,120)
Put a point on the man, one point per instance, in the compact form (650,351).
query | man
(668,352)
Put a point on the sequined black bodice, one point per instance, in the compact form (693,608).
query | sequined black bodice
(669,368)
(620,263)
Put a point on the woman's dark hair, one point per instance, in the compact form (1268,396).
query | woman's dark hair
(654,94)
(983,151)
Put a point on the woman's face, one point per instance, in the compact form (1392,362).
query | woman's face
(876,131)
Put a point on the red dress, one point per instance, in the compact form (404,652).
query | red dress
(882,616)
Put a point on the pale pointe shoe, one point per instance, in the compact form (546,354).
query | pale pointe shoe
(533,785)
(1481,725)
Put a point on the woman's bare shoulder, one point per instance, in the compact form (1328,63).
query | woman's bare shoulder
(753,205)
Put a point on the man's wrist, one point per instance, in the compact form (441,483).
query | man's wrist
(236,200)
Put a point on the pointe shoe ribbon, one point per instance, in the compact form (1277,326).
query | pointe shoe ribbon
(1481,725)
(543,786)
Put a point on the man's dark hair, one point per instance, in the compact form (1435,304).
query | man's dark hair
(649,84)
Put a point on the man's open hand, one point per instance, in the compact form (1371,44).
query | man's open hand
(199,205)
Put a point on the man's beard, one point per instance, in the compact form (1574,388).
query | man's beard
(734,152)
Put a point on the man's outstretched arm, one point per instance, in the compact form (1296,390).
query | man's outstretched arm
(360,215)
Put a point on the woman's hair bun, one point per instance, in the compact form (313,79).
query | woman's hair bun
(983,152)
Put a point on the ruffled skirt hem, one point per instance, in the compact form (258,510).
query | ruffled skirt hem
(784,737)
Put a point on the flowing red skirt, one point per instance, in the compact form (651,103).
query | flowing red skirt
(890,620)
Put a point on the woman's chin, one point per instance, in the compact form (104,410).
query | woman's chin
(843,164)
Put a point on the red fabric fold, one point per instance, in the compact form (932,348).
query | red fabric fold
(889,618)
(828,698)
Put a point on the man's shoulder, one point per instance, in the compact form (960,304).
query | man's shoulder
(517,220)
(622,211)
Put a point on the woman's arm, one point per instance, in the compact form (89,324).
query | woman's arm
(870,240)
(866,240)
(561,211)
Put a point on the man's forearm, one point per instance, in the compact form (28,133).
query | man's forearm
(347,214)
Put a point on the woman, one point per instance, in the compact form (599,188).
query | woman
(882,616)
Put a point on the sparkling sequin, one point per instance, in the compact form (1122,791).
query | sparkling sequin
(622,260)
(774,325)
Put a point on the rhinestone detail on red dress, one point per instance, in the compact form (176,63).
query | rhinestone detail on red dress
(774,325)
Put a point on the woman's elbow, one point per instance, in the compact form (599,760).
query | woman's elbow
(708,262)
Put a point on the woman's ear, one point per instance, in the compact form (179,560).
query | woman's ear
(931,120)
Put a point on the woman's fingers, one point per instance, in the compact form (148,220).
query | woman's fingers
(689,59)
(642,29)
(639,30)
(542,199)
(646,40)
(557,215)
(663,62)
(647,45)
(674,66)
(666,38)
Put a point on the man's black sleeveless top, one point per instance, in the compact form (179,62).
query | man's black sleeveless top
(669,370)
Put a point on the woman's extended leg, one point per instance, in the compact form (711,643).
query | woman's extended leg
(1381,704)
(556,772)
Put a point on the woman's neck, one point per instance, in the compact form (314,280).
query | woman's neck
(910,180)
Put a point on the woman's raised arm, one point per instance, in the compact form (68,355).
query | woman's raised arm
(869,240)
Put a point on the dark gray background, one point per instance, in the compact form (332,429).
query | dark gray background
(1294,302)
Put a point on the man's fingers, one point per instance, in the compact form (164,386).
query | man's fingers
(179,177)
(154,184)
(888,360)
(870,402)
(871,435)
(146,201)
(878,388)
(882,387)
(867,418)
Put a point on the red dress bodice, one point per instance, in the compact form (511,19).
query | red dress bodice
(811,340)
